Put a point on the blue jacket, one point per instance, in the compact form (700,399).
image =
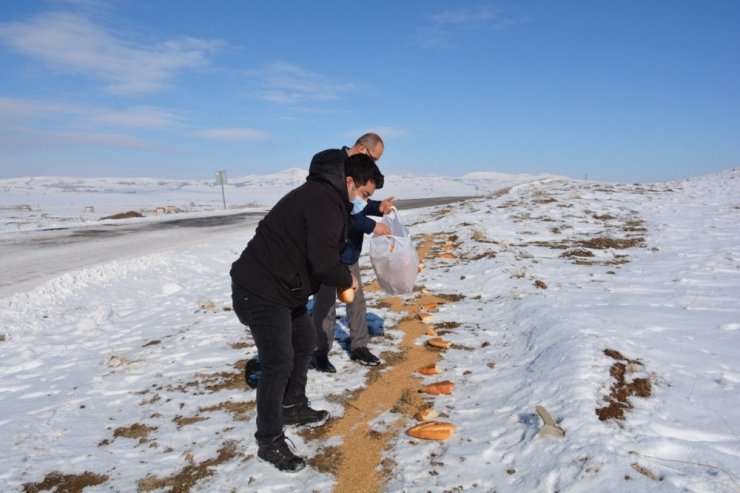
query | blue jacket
(360,226)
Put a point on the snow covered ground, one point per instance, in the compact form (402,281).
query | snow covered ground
(613,306)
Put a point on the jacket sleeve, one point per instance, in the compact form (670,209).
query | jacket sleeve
(362,223)
(325,229)
(373,208)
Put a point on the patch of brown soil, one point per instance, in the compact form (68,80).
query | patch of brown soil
(187,420)
(123,215)
(241,411)
(426,246)
(488,254)
(544,200)
(190,474)
(215,382)
(606,242)
(604,217)
(577,252)
(618,399)
(371,286)
(451,298)
(136,430)
(447,325)
(635,226)
(327,460)
(65,483)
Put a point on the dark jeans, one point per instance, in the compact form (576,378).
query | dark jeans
(285,340)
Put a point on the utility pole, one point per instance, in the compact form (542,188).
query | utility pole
(221,180)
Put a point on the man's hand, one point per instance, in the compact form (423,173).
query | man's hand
(355,283)
(382,229)
(386,206)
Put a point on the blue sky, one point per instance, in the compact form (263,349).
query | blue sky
(632,90)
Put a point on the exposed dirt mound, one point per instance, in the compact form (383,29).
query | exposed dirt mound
(65,483)
(606,242)
(123,215)
(135,431)
(620,392)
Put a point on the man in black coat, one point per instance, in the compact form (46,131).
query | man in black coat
(295,249)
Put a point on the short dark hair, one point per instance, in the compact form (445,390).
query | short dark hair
(369,140)
(363,169)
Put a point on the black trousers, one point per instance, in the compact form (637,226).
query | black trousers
(285,340)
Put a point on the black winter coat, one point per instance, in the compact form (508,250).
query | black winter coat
(296,246)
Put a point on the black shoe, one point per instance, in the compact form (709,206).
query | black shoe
(364,357)
(277,453)
(302,414)
(320,362)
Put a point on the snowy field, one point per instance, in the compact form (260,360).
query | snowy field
(29,204)
(614,306)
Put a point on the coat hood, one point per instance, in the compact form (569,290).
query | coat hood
(328,166)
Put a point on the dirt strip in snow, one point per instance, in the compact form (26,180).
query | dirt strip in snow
(355,462)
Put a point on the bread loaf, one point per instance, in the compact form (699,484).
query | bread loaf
(426,414)
(429,369)
(432,430)
(346,295)
(439,342)
(438,388)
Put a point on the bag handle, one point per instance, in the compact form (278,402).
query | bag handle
(394,222)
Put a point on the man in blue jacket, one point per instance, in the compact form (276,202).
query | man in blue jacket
(324,308)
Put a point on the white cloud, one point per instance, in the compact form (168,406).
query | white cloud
(284,83)
(232,134)
(13,109)
(141,117)
(29,124)
(443,26)
(72,43)
(40,112)
(103,139)
(28,139)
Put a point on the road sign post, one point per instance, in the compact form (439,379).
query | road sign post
(221,180)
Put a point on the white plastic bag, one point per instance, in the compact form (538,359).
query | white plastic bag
(394,257)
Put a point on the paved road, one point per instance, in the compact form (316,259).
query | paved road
(27,259)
